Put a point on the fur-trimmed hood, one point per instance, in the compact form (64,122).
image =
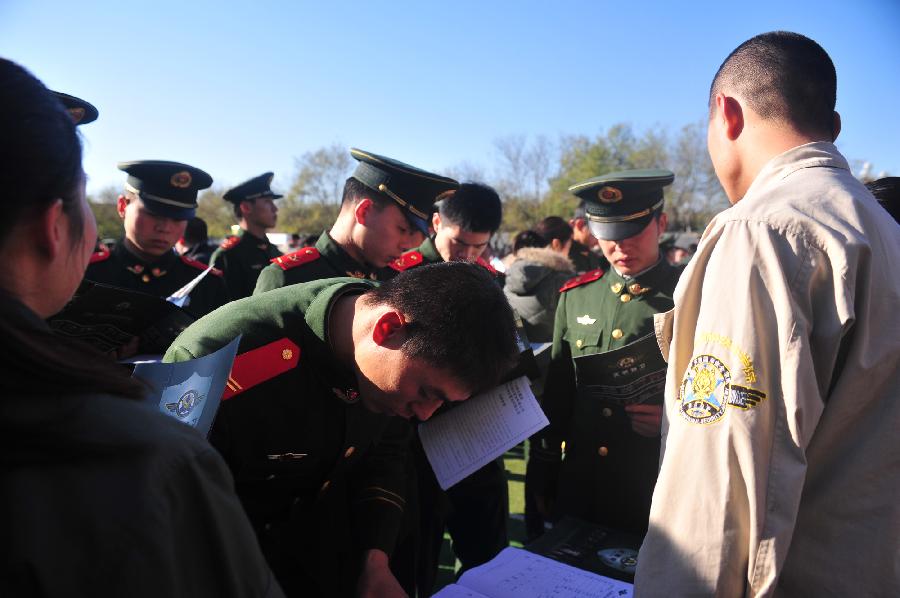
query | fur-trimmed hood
(534,264)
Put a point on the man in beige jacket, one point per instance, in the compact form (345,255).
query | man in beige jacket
(780,471)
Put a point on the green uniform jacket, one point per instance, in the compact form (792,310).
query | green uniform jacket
(241,259)
(320,476)
(120,268)
(105,496)
(609,471)
(326,260)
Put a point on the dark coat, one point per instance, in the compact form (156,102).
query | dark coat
(320,476)
(241,259)
(120,268)
(533,280)
(104,496)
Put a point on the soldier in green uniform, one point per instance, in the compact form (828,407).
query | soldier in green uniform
(242,257)
(305,424)
(581,252)
(611,452)
(386,206)
(463,224)
(158,200)
(474,510)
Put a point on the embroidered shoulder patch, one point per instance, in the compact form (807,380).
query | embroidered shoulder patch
(260,365)
(406,261)
(580,280)
(100,255)
(707,390)
(230,242)
(200,265)
(297,258)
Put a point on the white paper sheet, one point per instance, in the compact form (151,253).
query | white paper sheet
(475,433)
(517,573)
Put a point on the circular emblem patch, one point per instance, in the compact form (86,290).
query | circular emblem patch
(704,390)
(77,114)
(186,403)
(181,179)
(609,194)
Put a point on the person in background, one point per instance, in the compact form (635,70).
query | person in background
(102,495)
(781,465)
(243,256)
(680,248)
(887,191)
(607,473)
(583,251)
(385,209)
(536,273)
(194,244)
(158,200)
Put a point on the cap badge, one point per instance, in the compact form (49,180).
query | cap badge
(181,179)
(609,194)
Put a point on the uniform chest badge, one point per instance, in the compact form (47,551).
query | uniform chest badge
(707,390)
(585,320)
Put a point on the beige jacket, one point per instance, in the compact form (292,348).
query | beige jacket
(780,470)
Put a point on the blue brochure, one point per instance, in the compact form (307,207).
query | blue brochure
(190,391)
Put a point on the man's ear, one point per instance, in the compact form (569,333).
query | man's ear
(246,207)
(388,325)
(729,116)
(435,221)
(663,222)
(361,211)
(836,127)
(121,205)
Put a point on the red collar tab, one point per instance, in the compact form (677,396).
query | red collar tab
(261,365)
(407,260)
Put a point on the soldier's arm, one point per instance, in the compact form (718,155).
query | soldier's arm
(271,277)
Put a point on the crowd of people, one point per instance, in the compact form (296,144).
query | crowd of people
(767,466)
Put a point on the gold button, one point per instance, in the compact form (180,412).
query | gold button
(287,354)
(617,333)
(607,412)
(602,451)
(617,288)
(325,486)
(349,452)
(635,289)
(625,298)
(578,343)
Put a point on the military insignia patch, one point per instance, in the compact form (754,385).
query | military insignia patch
(76,114)
(183,407)
(609,194)
(586,319)
(181,179)
(707,389)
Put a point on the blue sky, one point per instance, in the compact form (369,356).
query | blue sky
(239,88)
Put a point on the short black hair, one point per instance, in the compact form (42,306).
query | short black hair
(195,231)
(355,190)
(458,320)
(474,207)
(887,191)
(783,76)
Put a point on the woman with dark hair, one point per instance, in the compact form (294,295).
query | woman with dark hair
(538,269)
(100,495)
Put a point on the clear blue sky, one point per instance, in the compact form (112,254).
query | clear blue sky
(240,88)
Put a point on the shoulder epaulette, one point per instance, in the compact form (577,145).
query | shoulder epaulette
(200,265)
(230,242)
(261,365)
(580,280)
(486,265)
(406,261)
(297,258)
(101,254)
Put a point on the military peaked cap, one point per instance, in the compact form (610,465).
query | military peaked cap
(82,112)
(166,188)
(255,188)
(619,205)
(413,189)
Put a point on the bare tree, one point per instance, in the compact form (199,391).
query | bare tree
(320,175)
